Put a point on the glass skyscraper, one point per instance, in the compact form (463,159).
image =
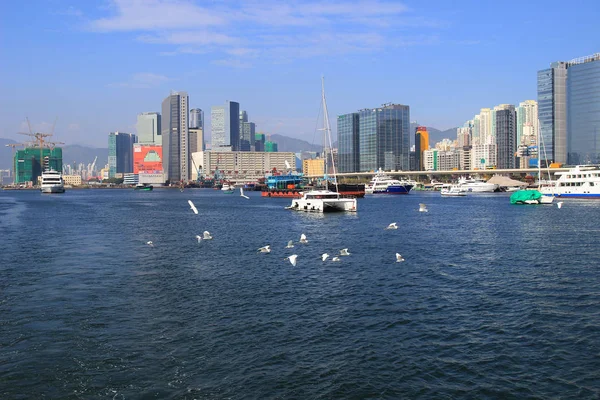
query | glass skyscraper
(148,128)
(384,138)
(552,112)
(348,144)
(225,127)
(506,136)
(583,110)
(120,153)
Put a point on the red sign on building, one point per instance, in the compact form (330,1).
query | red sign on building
(147,159)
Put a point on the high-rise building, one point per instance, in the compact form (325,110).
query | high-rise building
(421,144)
(175,137)
(384,138)
(120,153)
(506,136)
(485,126)
(196,118)
(583,110)
(464,134)
(270,147)
(259,142)
(247,133)
(31,161)
(527,116)
(552,112)
(225,127)
(348,143)
(148,128)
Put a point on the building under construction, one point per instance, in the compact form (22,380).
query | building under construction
(30,162)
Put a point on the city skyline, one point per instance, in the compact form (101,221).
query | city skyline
(124,58)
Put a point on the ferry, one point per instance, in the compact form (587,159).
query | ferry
(143,187)
(381,183)
(52,182)
(581,181)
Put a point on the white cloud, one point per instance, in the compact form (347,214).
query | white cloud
(236,33)
(142,80)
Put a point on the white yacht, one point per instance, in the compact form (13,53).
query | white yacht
(582,181)
(473,185)
(382,183)
(52,182)
(324,200)
(452,190)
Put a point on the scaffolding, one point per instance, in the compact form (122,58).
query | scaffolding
(30,162)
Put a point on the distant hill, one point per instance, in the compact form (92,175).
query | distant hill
(435,135)
(288,144)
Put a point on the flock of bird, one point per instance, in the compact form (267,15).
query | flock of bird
(303,239)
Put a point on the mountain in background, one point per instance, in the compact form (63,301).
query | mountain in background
(83,154)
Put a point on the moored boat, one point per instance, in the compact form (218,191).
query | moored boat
(581,181)
(384,184)
(452,190)
(473,185)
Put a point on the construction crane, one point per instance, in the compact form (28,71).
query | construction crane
(39,140)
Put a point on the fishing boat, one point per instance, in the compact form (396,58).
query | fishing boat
(52,182)
(143,187)
(324,200)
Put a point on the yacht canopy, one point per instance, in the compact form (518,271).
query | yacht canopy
(504,181)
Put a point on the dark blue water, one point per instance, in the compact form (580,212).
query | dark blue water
(493,300)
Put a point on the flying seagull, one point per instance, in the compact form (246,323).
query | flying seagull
(290,244)
(399,258)
(392,226)
(303,239)
(423,207)
(324,256)
(193,207)
(559,204)
(335,259)
(206,235)
(149,243)
(242,193)
(292,259)
(344,252)
(265,249)
(199,238)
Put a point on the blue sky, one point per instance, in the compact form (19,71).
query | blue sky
(94,66)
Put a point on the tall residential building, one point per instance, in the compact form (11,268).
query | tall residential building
(463,134)
(384,138)
(583,110)
(120,153)
(175,137)
(527,121)
(196,118)
(148,128)
(483,156)
(348,143)
(421,144)
(485,126)
(225,127)
(552,111)
(506,136)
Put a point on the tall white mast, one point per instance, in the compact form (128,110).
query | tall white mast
(327,139)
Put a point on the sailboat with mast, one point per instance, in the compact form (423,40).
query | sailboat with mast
(324,200)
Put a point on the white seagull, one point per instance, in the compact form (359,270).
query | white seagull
(559,204)
(392,226)
(303,239)
(193,207)
(423,207)
(399,258)
(335,259)
(242,193)
(149,243)
(199,238)
(206,235)
(290,244)
(265,249)
(344,252)
(292,259)
(324,256)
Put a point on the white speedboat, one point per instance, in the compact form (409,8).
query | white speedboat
(581,181)
(52,182)
(452,190)
(473,185)
(323,201)
(382,183)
